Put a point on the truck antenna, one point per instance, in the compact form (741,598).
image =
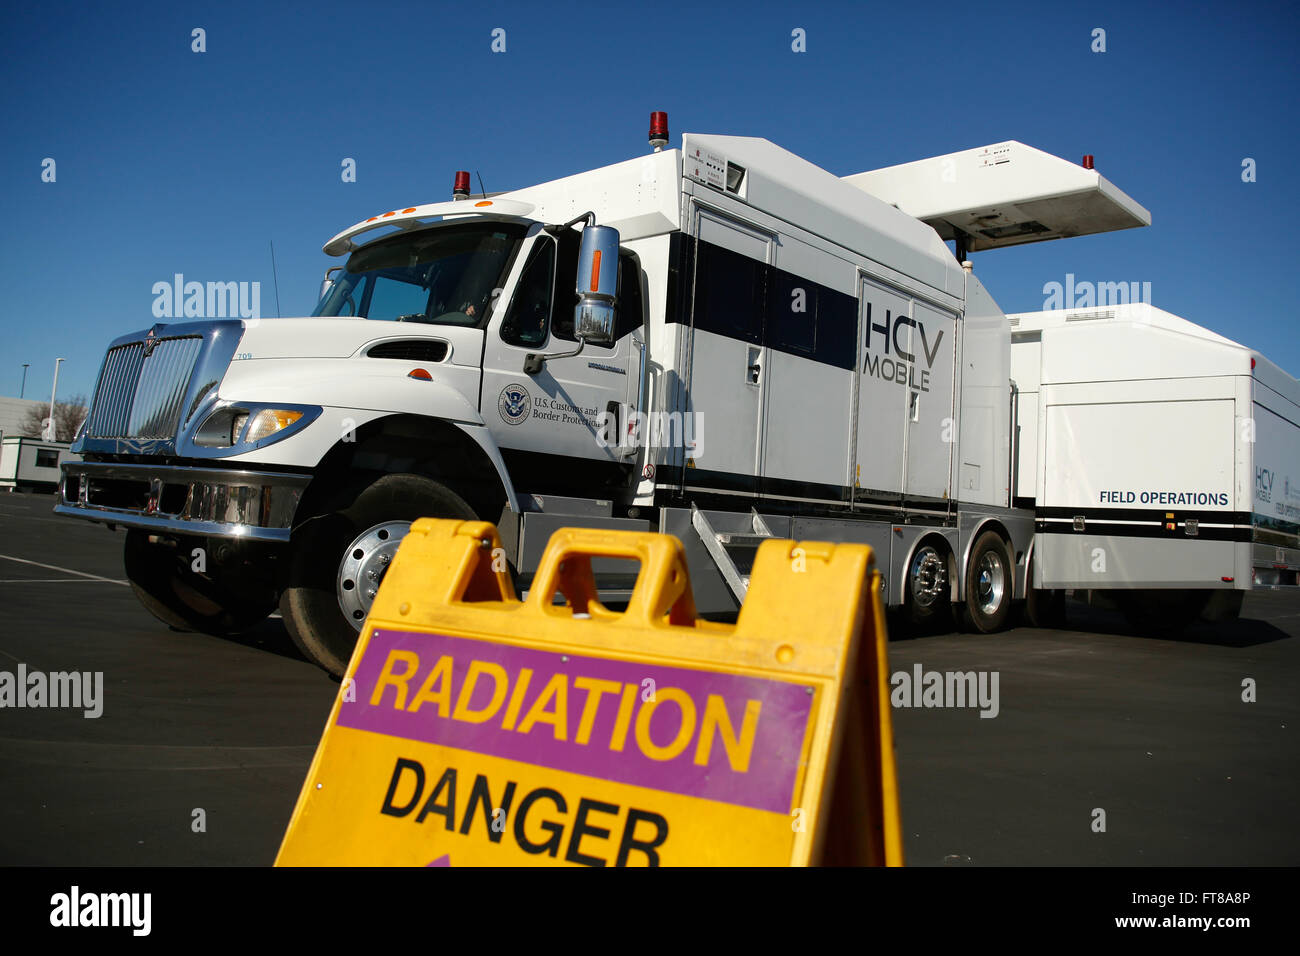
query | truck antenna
(481,187)
(275,278)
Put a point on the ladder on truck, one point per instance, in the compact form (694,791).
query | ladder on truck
(732,550)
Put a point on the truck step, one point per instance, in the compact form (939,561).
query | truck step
(729,539)
(732,551)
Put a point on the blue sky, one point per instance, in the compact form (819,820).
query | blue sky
(173,161)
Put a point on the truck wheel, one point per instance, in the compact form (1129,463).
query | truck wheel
(339,558)
(988,585)
(926,594)
(163,582)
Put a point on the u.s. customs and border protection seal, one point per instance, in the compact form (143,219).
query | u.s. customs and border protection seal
(515,404)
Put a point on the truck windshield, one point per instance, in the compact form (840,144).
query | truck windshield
(444,276)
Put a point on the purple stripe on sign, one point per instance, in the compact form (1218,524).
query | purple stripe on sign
(724,737)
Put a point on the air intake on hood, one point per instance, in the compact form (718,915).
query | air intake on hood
(410,350)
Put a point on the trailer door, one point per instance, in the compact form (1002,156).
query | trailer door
(882,397)
(726,361)
(930,421)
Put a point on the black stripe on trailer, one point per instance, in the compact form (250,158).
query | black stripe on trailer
(824,330)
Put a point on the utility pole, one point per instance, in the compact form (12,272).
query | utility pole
(53,432)
(23,390)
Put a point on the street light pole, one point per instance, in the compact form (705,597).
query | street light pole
(23,390)
(54,428)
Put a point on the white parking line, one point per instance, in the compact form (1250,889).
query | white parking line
(55,567)
(58,581)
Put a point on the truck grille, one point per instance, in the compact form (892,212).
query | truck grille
(139,395)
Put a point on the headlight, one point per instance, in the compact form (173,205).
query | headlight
(232,426)
(269,421)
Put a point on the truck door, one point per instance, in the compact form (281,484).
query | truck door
(725,369)
(556,411)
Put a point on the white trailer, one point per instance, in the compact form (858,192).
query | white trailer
(32,463)
(752,347)
(1162,460)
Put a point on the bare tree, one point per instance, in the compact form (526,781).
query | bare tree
(68,417)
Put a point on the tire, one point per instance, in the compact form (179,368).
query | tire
(1162,613)
(925,589)
(167,587)
(989,585)
(322,564)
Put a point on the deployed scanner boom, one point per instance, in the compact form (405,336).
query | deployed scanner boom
(1004,195)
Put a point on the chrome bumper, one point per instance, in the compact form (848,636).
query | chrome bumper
(217,502)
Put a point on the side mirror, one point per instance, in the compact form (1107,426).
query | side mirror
(593,316)
(328,282)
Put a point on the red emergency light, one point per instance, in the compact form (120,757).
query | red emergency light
(1087,161)
(461,188)
(658,129)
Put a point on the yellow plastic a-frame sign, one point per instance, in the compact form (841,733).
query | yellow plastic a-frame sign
(473,729)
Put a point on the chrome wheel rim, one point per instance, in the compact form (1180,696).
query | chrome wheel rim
(363,567)
(927,576)
(990,582)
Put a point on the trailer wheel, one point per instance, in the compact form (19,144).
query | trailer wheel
(163,582)
(988,585)
(339,558)
(925,594)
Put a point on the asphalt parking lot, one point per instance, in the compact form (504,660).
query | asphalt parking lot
(1153,732)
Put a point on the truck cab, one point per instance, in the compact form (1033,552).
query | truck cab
(263,463)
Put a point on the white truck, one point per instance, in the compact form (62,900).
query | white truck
(753,347)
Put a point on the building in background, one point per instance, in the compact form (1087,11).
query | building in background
(28,463)
(14,411)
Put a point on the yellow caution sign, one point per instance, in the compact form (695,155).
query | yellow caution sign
(473,729)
